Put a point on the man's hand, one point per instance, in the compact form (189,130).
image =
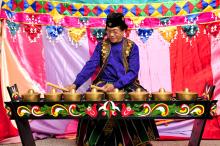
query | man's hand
(108,87)
(71,87)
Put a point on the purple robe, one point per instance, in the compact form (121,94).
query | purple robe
(114,70)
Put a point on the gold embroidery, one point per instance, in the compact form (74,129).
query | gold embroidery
(127,45)
(128,48)
(150,134)
(136,140)
(120,144)
(105,51)
(108,127)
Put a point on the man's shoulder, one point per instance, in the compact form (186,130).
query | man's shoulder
(104,42)
(129,40)
(131,43)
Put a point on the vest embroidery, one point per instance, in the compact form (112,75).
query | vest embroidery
(106,47)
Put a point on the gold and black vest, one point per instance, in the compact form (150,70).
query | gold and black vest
(105,51)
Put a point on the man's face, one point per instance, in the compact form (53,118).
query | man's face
(115,34)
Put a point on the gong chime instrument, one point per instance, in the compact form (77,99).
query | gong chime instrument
(98,93)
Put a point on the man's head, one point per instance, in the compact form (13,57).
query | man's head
(115,27)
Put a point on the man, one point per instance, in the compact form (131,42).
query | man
(118,59)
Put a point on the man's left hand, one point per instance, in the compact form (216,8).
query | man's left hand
(108,87)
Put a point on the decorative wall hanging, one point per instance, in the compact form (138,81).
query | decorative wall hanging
(190,30)
(53,32)
(213,28)
(168,33)
(99,34)
(76,34)
(33,31)
(13,27)
(144,34)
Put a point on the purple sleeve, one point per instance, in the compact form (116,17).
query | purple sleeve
(89,67)
(133,69)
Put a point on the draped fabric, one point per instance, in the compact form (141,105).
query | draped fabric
(26,52)
(191,67)
(154,74)
(212,126)
(6,126)
(215,53)
(20,65)
(191,62)
(50,41)
(63,60)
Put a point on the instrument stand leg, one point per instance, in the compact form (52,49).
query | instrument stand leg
(197,131)
(25,132)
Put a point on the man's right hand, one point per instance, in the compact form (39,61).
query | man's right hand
(71,87)
(108,87)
